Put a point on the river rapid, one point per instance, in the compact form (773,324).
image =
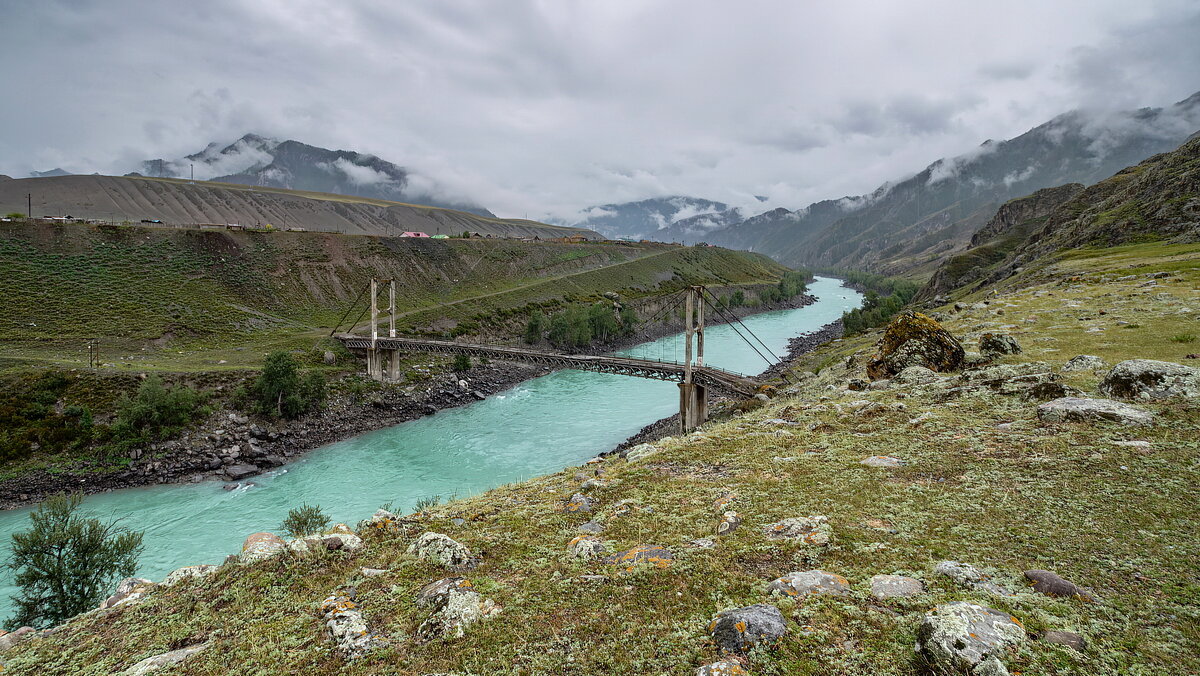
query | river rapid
(538,427)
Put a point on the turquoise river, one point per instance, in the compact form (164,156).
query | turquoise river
(537,427)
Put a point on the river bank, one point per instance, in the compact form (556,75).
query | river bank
(233,448)
(797,346)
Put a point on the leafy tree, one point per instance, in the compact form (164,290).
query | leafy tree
(579,321)
(559,329)
(66,564)
(602,325)
(156,411)
(462,363)
(305,520)
(629,320)
(533,330)
(738,298)
(280,391)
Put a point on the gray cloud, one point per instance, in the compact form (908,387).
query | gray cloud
(547,108)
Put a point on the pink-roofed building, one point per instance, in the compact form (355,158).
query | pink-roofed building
(413,234)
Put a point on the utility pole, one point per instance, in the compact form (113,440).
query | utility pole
(29,206)
(192,168)
(693,397)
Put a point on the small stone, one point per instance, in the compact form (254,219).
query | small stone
(1084,362)
(702,543)
(969,576)
(731,666)
(639,452)
(813,530)
(884,587)
(163,661)
(659,557)
(1067,638)
(586,547)
(729,523)
(1046,582)
(810,583)
(259,546)
(740,630)
(129,591)
(434,594)
(887,461)
(578,503)
(593,527)
(373,572)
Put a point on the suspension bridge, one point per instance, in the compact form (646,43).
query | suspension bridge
(694,377)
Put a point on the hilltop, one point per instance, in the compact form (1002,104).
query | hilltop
(178,201)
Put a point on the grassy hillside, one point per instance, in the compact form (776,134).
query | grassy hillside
(178,201)
(984,482)
(151,294)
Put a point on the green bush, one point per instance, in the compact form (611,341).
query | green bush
(1184,338)
(462,363)
(29,417)
(280,391)
(535,327)
(66,564)
(305,520)
(156,412)
(15,215)
(885,296)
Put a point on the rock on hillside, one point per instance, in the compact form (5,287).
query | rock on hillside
(914,339)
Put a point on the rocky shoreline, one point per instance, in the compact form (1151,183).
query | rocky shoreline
(799,345)
(233,447)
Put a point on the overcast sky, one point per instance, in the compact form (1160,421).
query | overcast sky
(549,107)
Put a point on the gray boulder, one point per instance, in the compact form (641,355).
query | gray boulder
(458,609)
(442,550)
(810,583)
(180,574)
(1077,409)
(993,345)
(586,547)
(1050,584)
(163,661)
(884,587)
(740,630)
(916,375)
(240,471)
(578,503)
(1067,638)
(734,665)
(812,530)
(962,636)
(130,590)
(259,546)
(967,575)
(347,626)
(14,637)
(1084,362)
(1147,379)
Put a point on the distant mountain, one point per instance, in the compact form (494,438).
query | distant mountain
(1156,200)
(53,172)
(910,226)
(667,219)
(260,161)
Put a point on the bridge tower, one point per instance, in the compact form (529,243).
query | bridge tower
(375,354)
(693,397)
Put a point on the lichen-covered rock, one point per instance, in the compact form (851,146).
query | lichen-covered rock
(1077,409)
(884,587)
(153,664)
(1051,584)
(381,522)
(129,591)
(969,576)
(994,345)
(729,523)
(586,547)
(442,550)
(434,594)
(1067,638)
(592,527)
(915,375)
(347,626)
(659,557)
(731,666)
(812,530)
(639,452)
(456,606)
(333,541)
(914,339)
(181,574)
(810,583)
(259,546)
(1147,379)
(14,637)
(740,630)
(1084,362)
(961,636)
(887,461)
(578,503)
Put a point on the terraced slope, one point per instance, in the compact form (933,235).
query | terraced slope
(158,291)
(177,201)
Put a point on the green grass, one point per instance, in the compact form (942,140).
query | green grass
(1029,495)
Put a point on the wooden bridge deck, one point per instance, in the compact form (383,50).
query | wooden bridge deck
(707,376)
